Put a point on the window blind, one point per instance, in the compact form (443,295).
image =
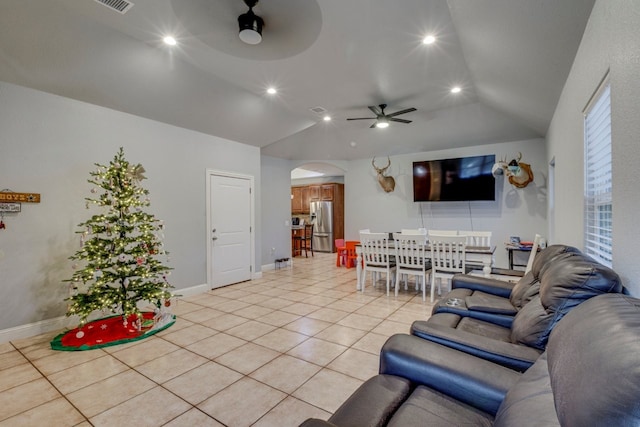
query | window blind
(598,209)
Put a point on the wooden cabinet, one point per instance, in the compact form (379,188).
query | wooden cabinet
(304,195)
(323,192)
(314,193)
(326,192)
(296,200)
(299,200)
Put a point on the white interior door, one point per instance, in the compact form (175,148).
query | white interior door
(230,229)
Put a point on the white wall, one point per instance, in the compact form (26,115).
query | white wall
(318,180)
(276,209)
(49,144)
(520,212)
(611,42)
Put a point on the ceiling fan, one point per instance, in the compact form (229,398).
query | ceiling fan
(382,119)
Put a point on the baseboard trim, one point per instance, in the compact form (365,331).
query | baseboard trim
(272,266)
(32,329)
(63,322)
(194,290)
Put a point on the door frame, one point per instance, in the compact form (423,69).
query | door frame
(252,234)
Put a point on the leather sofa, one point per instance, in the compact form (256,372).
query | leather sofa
(562,279)
(589,375)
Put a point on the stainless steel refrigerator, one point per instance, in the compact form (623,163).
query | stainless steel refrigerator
(322,218)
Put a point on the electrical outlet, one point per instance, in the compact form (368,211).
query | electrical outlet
(287,223)
(273,250)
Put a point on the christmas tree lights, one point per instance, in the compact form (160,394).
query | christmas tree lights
(118,263)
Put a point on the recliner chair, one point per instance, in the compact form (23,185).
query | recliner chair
(497,301)
(566,281)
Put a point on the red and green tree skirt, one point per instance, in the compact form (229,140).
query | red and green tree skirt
(118,267)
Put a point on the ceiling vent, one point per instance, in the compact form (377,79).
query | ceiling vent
(318,110)
(120,6)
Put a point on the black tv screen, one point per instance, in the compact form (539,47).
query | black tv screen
(466,178)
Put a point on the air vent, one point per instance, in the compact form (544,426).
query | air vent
(318,110)
(120,6)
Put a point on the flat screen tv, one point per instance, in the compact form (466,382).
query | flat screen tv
(466,178)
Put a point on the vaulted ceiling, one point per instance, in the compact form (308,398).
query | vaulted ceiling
(509,57)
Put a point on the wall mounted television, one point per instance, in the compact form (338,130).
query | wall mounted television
(466,178)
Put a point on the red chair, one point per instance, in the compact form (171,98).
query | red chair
(341,257)
(352,256)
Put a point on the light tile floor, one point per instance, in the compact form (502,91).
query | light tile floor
(269,352)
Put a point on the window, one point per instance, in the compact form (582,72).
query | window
(598,206)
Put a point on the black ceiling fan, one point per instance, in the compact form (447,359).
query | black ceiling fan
(382,119)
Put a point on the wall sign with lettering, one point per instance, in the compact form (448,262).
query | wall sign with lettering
(10,196)
(11,202)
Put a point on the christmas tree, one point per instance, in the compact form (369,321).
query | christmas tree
(118,263)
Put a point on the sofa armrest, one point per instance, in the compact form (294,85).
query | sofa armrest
(472,380)
(484,284)
(507,272)
(514,356)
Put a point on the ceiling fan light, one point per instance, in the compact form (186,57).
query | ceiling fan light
(250,27)
(382,123)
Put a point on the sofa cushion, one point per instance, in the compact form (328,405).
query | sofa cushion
(488,303)
(568,280)
(594,363)
(528,287)
(523,286)
(426,407)
(373,403)
(531,398)
(484,329)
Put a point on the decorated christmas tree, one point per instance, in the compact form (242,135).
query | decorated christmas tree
(118,266)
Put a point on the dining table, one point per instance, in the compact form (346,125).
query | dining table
(473,254)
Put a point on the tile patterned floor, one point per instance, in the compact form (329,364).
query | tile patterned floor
(269,352)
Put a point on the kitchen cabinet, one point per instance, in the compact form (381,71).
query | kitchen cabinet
(326,192)
(300,200)
(314,193)
(304,194)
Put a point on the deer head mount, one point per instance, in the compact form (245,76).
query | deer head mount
(387,183)
(519,173)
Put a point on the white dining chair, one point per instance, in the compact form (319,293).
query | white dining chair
(448,257)
(477,238)
(414,231)
(444,232)
(412,258)
(534,251)
(376,258)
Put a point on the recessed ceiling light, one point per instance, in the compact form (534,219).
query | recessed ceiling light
(353,144)
(170,41)
(456,89)
(327,118)
(272,91)
(430,39)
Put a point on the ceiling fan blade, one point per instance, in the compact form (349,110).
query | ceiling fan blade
(399,120)
(375,110)
(397,113)
(363,118)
